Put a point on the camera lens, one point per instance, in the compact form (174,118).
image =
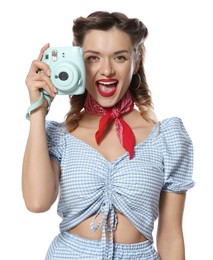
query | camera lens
(63,75)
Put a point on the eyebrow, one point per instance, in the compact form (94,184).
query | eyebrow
(117,52)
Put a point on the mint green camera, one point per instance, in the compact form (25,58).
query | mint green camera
(67,69)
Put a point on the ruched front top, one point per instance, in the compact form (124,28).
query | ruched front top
(91,185)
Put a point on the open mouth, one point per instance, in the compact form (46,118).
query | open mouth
(107,87)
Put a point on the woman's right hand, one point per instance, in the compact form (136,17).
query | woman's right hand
(38,78)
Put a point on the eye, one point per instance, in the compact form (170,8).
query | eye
(92,58)
(120,58)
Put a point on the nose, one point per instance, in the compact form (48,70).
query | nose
(107,68)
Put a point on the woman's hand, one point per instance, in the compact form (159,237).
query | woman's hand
(39,78)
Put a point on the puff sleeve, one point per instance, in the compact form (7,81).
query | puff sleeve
(55,140)
(177,149)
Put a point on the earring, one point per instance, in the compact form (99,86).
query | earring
(139,82)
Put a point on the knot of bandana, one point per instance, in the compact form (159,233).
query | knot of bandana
(123,130)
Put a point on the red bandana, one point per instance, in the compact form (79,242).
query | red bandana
(123,130)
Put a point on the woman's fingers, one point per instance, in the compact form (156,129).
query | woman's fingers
(41,80)
(43,49)
(38,66)
(34,90)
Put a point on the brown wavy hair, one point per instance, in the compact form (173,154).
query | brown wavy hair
(137,31)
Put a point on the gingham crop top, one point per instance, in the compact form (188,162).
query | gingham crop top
(91,185)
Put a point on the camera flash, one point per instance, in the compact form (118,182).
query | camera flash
(54,55)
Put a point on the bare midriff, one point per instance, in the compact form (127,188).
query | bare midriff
(125,232)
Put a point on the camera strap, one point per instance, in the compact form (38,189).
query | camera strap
(39,103)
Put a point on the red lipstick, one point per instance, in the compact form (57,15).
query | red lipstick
(107,87)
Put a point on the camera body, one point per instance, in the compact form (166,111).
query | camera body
(67,69)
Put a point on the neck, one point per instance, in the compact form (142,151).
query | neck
(125,105)
(123,130)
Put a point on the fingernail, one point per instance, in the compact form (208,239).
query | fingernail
(48,73)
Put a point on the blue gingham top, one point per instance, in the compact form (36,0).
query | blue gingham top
(91,185)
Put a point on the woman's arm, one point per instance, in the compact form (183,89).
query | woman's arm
(170,240)
(40,175)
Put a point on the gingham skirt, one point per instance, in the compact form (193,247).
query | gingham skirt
(67,246)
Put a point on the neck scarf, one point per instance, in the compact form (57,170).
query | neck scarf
(123,130)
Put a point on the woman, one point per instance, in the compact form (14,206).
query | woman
(117,167)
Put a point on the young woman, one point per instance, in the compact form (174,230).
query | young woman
(117,167)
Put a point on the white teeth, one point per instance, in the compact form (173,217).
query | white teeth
(107,83)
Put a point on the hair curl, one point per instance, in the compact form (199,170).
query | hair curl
(138,32)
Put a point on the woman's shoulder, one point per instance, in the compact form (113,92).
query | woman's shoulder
(171,125)
(170,122)
(55,127)
(55,133)
(172,131)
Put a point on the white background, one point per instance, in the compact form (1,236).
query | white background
(179,72)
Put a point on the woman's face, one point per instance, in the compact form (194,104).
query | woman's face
(110,60)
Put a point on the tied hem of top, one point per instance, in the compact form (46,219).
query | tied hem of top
(109,214)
